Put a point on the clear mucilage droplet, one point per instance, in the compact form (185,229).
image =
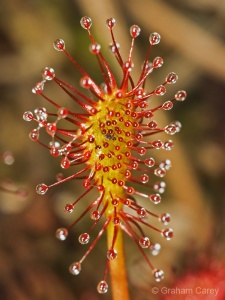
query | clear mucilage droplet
(149,162)
(84,238)
(160,90)
(140,92)
(167,105)
(38,88)
(86,22)
(86,82)
(116,221)
(144,178)
(141,212)
(59,44)
(171,78)
(148,67)
(34,134)
(158,274)
(157,62)
(178,125)
(48,73)
(95,48)
(113,47)
(28,116)
(180,95)
(153,124)
(144,242)
(55,151)
(165,218)
(167,233)
(168,145)
(155,248)
(41,113)
(61,234)
(166,164)
(51,128)
(69,208)
(41,189)
(170,129)
(62,113)
(135,31)
(65,163)
(95,215)
(159,186)
(154,38)
(127,67)
(159,172)
(155,198)
(111,22)
(111,254)
(102,287)
(157,144)
(75,268)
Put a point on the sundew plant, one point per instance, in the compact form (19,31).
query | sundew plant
(112,143)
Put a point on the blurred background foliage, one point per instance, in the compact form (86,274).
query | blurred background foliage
(33,264)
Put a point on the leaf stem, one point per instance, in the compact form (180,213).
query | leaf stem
(117,266)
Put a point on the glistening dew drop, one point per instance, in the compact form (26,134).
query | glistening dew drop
(113,143)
